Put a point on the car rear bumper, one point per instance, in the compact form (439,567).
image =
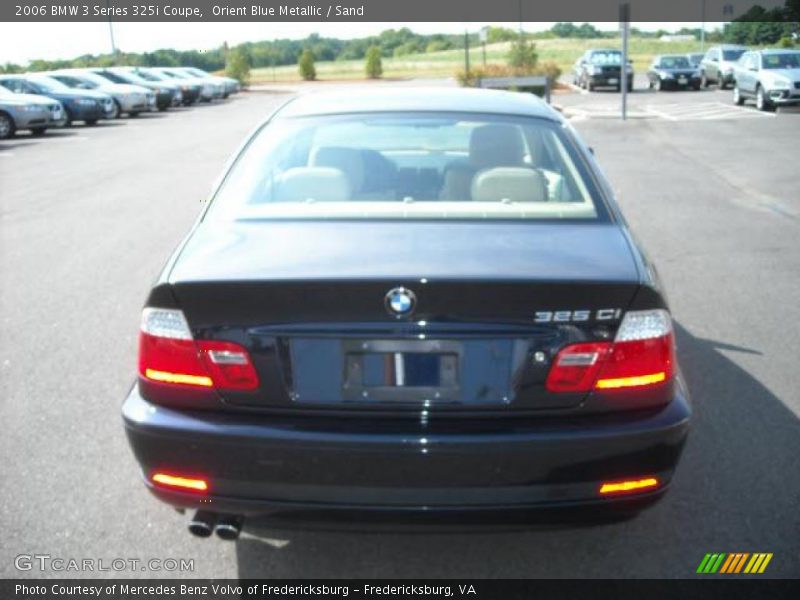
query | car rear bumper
(609,80)
(258,464)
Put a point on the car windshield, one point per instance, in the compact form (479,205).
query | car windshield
(407,166)
(196,72)
(787,60)
(148,76)
(113,77)
(175,75)
(674,62)
(49,84)
(76,82)
(612,57)
(130,77)
(732,55)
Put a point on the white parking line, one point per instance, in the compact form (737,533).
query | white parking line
(2,154)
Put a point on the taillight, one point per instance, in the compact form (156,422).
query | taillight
(642,354)
(169,355)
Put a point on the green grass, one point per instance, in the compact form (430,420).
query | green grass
(562,51)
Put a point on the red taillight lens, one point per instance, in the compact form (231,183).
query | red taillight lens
(642,354)
(229,365)
(169,355)
(638,363)
(576,367)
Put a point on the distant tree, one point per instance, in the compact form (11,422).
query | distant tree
(306,65)
(373,65)
(237,65)
(438,46)
(522,57)
(500,34)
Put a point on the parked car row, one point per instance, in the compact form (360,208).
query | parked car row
(769,77)
(43,100)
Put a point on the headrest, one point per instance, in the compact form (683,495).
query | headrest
(319,184)
(347,160)
(513,184)
(496,145)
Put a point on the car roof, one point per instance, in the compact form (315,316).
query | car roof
(731,47)
(418,99)
(778,51)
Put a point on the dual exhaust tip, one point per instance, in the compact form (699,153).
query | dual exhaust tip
(227,527)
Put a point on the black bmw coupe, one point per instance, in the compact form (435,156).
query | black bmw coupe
(407,301)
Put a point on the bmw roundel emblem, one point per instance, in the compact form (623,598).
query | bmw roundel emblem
(400,302)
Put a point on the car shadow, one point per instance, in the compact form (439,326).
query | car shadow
(735,490)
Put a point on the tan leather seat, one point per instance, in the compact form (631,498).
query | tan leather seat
(347,160)
(496,145)
(317,184)
(509,184)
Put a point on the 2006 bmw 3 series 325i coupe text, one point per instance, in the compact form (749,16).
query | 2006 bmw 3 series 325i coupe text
(407,301)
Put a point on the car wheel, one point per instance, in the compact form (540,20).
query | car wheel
(91,122)
(738,99)
(115,110)
(37,131)
(133,115)
(7,127)
(721,81)
(761,100)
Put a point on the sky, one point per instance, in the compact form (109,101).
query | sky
(22,42)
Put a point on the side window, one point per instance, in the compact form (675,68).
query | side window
(713,55)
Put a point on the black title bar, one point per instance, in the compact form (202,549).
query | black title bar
(377,10)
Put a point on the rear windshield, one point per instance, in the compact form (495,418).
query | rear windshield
(732,54)
(406,166)
(788,60)
(674,62)
(606,58)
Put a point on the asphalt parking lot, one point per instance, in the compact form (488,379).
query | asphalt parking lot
(90,214)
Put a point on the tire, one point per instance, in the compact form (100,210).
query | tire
(738,99)
(721,82)
(133,115)
(762,103)
(91,122)
(38,131)
(115,113)
(7,126)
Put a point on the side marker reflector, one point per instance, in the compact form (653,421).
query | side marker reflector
(634,485)
(185,483)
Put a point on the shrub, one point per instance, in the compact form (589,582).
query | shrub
(306,65)
(373,65)
(237,65)
(522,56)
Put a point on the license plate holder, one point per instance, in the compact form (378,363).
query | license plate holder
(401,371)
(613,81)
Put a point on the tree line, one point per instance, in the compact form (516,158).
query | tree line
(758,26)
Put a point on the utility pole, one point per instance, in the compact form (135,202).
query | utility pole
(484,34)
(703,26)
(624,20)
(466,52)
(111,33)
